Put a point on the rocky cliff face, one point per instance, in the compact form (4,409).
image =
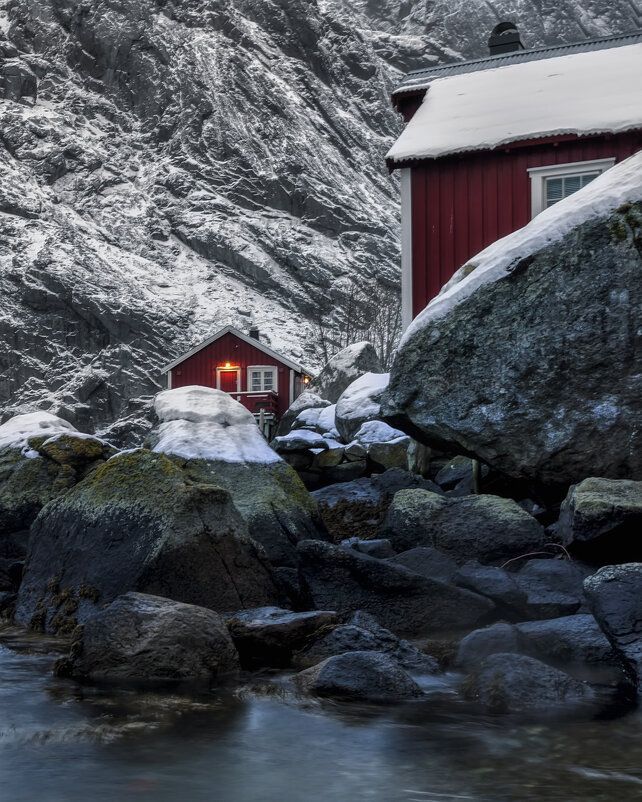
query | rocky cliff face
(169,167)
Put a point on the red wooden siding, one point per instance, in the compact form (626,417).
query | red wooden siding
(201,367)
(462,204)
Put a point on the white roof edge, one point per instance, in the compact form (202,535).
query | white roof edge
(245,337)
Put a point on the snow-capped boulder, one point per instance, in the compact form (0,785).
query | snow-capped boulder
(307,400)
(219,443)
(344,368)
(530,358)
(140,522)
(385,446)
(41,456)
(359,403)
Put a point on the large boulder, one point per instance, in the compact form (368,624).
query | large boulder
(552,587)
(365,675)
(486,528)
(346,580)
(343,368)
(509,683)
(138,522)
(359,403)
(602,519)
(219,443)
(143,637)
(530,359)
(41,456)
(615,597)
(362,633)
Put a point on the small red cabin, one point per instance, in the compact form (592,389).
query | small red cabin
(264,381)
(491,143)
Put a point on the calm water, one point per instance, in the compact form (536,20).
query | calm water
(60,743)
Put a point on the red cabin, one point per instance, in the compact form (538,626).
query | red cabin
(264,381)
(491,143)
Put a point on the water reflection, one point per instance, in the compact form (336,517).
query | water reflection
(60,742)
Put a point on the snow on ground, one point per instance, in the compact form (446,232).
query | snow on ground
(582,93)
(619,185)
(301,438)
(358,399)
(16,431)
(203,423)
(376,431)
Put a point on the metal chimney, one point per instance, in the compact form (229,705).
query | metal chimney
(504,39)
(254,333)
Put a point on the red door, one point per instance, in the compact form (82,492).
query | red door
(228,381)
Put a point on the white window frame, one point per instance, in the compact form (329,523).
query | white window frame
(264,369)
(538,176)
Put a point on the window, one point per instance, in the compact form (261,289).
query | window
(554,182)
(261,378)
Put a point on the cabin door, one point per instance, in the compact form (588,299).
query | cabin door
(228,381)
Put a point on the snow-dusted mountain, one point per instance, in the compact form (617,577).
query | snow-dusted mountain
(170,167)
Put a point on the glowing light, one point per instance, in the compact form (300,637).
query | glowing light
(306,379)
(227,365)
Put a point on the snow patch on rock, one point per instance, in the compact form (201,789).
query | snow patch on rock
(203,423)
(17,430)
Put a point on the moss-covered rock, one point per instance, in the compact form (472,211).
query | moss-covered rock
(139,522)
(67,449)
(272,499)
(26,485)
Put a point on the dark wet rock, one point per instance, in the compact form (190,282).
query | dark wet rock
(571,639)
(379,548)
(345,580)
(344,368)
(357,508)
(506,683)
(553,587)
(498,638)
(615,597)
(487,528)
(495,583)
(139,637)
(288,582)
(602,520)
(359,675)
(267,636)
(455,471)
(428,562)
(455,390)
(138,523)
(363,634)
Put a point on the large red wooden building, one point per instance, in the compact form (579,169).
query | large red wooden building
(261,379)
(490,143)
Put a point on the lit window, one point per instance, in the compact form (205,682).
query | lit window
(554,182)
(262,379)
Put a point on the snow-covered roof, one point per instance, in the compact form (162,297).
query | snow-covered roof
(246,338)
(615,187)
(582,93)
(418,80)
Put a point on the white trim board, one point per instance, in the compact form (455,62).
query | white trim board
(406,247)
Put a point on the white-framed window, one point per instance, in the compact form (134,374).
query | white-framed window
(261,378)
(554,182)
